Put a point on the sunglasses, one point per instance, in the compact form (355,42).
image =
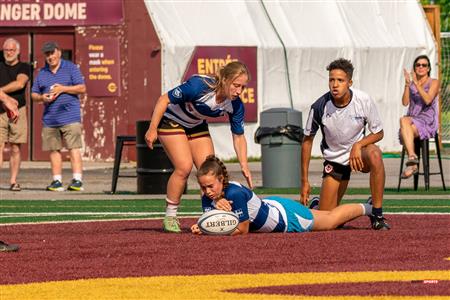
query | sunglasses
(421,65)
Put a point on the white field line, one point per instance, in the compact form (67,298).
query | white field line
(181,214)
(52,214)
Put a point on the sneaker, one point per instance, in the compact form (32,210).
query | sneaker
(55,186)
(314,203)
(76,185)
(171,224)
(379,223)
(4,247)
(15,187)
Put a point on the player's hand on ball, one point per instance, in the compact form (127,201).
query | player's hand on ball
(223,204)
(195,229)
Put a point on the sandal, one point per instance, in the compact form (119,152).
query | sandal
(412,160)
(410,171)
(15,187)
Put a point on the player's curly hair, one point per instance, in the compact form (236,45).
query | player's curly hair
(342,64)
(228,73)
(214,165)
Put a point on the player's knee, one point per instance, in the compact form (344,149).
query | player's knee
(376,156)
(183,170)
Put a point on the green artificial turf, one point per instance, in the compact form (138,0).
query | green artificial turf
(24,211)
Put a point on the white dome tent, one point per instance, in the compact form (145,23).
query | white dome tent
(295,42)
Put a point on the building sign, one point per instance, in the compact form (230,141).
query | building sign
(60,12)
(207,60)
(101,66)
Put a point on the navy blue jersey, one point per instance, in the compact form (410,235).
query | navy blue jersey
(194,101)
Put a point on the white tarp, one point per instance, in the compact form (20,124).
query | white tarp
(379,37)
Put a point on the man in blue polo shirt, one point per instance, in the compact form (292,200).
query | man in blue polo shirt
(58,85)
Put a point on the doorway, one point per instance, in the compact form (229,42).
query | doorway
(67,44)
(30,52)
(25,57)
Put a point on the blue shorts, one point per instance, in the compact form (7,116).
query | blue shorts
(299,217)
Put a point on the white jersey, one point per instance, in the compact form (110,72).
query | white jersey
(342,126)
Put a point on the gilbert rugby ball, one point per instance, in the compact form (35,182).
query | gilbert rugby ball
(218,222)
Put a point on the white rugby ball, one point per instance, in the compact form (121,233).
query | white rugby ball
(218,222)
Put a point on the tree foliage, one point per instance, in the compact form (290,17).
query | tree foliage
(445,12)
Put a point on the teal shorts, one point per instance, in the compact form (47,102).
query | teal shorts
(299,217)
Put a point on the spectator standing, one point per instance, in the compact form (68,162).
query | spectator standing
(14,76)
(9,105)
(57,86)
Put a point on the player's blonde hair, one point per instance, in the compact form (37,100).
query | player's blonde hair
(228,73)
(214,165)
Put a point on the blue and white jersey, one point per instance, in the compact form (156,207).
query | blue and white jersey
(342,126)
(194,101)
(273,214)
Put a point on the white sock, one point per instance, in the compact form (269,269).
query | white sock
(367,209)
(171,208)
(57,177)
(77,176)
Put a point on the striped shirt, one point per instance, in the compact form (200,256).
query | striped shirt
(66,108)
(194,101)
(264,215)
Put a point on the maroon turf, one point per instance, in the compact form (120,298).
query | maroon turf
(140,248)
(396,288)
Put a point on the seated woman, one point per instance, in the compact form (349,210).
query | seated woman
(273,214)
(421,121)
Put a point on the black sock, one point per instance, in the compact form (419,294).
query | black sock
(377,211)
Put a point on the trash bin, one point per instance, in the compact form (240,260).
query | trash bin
(153,166)
(280,135)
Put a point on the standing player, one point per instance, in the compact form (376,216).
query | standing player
(14,76)
(342,115)
(273,214)
(179,122)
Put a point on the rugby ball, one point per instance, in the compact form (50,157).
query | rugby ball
(218,222)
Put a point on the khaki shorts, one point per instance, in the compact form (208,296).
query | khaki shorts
(52,137)
(14,133)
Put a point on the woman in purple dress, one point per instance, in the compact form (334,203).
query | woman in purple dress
(421,121)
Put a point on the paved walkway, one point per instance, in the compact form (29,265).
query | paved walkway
(35,176)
